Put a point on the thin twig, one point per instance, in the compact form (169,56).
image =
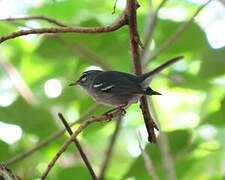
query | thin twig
(84,50)
(164,146)
(50,139)
(175,35)
(151,24)
(110,149)
(70,140)
(147,159)
(114,7)
(76,142)
(92,30)
(7,174)
(132,22)
(150,27)
(50,20)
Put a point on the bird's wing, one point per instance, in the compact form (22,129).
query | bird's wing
(117,82)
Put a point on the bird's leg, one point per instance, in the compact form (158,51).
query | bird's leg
(121,108)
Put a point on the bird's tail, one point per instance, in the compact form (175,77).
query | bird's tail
(160,68)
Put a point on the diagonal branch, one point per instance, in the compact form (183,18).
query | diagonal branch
(92,30)
(82,154)
(132,22)
(18,81)
(175,35)
(147,159)
(151,26)
(50,139)
(75,134)
(110,149)
(50,20)
(164,147)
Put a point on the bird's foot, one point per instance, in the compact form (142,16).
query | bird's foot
(123,110)
(109,117)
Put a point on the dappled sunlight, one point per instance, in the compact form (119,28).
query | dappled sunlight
(133,149)
(176,14)
(174,99)
(142,131)
(7,98)
(53,88)
(207,132)
(7,93)
(10,133)
(177,109)
(220,80)
(182,120)
(72,114)
(93,68)
(213,25)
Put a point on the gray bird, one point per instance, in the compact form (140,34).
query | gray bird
(119,89)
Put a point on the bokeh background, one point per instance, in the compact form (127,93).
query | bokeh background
(35,71)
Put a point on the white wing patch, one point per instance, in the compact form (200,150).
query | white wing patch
(97,85)
(107,88)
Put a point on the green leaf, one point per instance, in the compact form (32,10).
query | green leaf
(4,151)
(213,63)
(52,48)
(187,80)
(75,172)
(31,119)
(178,141)
(57,10)
(216,118)
(192,40)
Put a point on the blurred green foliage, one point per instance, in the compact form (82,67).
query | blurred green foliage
(194,126)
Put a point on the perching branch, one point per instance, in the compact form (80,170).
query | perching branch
(53,21)
(50,139)
(76,142)
(175,35)
(132,23)
(92,30)
(110,149)
(75,134)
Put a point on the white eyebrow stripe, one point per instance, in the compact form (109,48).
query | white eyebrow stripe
(97,85)
(107,87)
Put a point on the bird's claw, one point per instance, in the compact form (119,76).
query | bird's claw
(123,111)
(109,117)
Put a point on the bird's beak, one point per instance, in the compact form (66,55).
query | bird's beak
(155,93)
(75,83)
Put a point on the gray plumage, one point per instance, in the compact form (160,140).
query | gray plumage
(116,88)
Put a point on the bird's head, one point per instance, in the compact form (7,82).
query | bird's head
(86,78)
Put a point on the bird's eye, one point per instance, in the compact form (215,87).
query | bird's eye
(83,78)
